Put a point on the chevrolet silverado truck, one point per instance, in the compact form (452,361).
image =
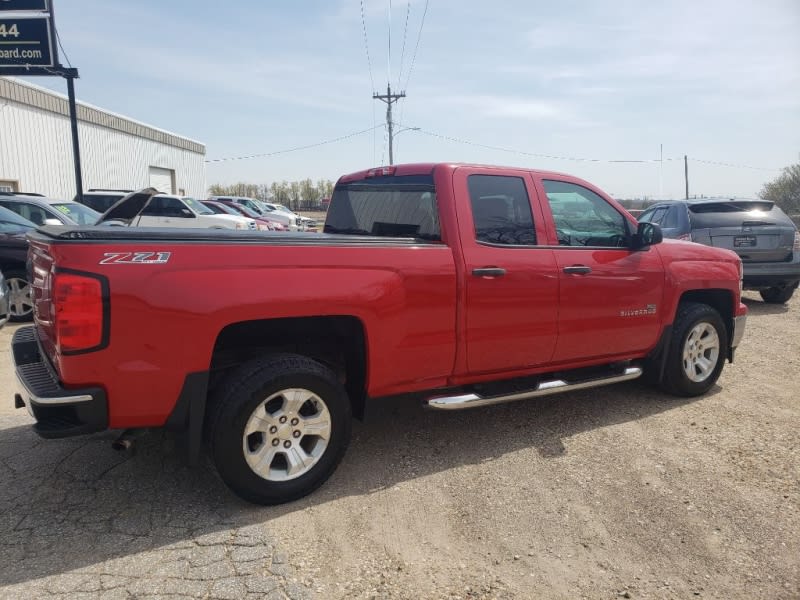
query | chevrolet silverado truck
(454,285)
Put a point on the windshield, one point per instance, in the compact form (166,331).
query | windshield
(282,208)
(198,207)
(247,211)
(82,215)
(403,206)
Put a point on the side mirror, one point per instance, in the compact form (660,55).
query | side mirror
(186,213)
(647,234)
(52,222)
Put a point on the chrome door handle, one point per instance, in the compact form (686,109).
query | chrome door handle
(489,272)
(577,270)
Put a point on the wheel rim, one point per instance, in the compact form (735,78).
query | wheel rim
(19,297)
(701,352)
(287,434)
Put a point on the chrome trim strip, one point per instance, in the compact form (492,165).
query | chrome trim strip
(58,400)
(545,388)
(739,324)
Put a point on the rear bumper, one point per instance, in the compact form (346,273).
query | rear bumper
(760,275)
(59,412)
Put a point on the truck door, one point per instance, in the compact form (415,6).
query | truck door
(511,281)
(610,296)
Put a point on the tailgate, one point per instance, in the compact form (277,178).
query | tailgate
(752,242)
(41,269)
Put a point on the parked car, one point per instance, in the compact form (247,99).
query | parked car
(221,209)
(142,209)
(263,209)
(763,236)
(3,301)
(13,257)
(47,211)
(101,200)
(249,212)
(302,222)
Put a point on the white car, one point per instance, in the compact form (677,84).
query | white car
(301,221)
(141,209)
(290,220)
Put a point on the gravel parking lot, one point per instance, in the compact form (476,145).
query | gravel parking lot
(616,492)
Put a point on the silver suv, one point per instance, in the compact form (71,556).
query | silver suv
(46,211)
(761,234)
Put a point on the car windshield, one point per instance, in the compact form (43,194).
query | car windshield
(198,207)
(282,208)
(80,214)
(221,209)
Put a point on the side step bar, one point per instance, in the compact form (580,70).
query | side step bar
(544,388)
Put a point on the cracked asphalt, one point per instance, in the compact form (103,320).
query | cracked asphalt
(618,492)
(78,520)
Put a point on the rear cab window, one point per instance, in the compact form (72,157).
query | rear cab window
(386,206)
(501,210)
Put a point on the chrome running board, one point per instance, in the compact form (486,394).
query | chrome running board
(544,388)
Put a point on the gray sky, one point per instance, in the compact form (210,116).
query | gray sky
(612,80)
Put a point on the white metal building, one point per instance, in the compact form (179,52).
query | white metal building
(116,152)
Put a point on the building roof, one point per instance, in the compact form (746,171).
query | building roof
(35,96)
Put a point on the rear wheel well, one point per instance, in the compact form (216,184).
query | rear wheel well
(335,341)
(719,300)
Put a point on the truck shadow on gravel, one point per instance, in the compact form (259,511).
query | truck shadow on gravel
(758,307)
(68,505)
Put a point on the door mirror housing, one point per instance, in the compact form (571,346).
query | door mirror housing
(647,234)
(52,222)
(186,213)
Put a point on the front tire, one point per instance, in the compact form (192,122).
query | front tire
(697,352)
(278,427)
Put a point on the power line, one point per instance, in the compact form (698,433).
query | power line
(405,36)
(725,164)
(366,46)
(535,154)
(64,52)
(295,149)
(389,53)
(416,47)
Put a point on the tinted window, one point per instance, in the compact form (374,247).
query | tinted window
(390,206)
(101,202)
(11,222)
(734,213)
(161,206)
(583,218)
(670,220)
(501,210)
(31,212)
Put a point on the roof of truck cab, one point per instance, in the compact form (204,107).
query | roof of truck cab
(427,168)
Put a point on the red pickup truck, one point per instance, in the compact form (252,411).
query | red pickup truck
(457,285)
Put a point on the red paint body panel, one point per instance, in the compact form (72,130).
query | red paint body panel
(428,322)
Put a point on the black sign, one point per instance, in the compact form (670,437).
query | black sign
(22,5)
(25,42)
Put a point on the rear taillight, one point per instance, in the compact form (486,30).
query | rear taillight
(78,312)
(796,246)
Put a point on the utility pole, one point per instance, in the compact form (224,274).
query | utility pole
(389,99)
(686,173)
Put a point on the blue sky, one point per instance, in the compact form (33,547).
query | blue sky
(608,80)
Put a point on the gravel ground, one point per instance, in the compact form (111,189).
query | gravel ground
(619,492)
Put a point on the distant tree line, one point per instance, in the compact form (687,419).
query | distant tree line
(784,190)
(297,195)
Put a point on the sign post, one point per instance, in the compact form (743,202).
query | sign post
(28,47)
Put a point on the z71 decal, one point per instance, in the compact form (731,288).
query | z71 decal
(135,258)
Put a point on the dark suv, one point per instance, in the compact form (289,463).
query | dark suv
(13,256)
(101,200)
(758,231)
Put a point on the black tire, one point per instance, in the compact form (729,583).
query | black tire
(235,401)
(676,380)
(778,295)
(21,278)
